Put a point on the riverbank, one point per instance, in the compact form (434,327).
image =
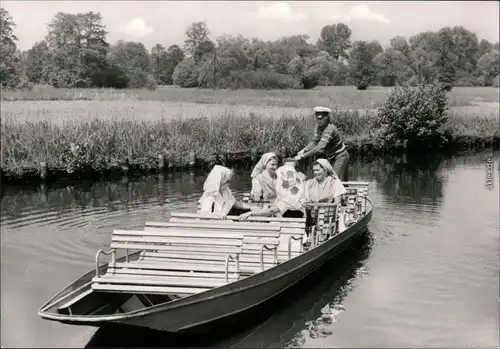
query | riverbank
(48,151)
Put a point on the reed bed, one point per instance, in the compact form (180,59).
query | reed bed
(103,144)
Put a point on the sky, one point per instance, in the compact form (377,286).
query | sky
(165,22)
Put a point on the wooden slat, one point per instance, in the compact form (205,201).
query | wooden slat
(357,184)
(292,231)
(179,233)
(250,219)
(207,257)
(148,289)
(190,265)
(148,247)
(207,233)
(210,226)
(210,264)
(179,274)
(175,240)
(257,225)
(177,265)
(158,281)
(259,242)
(203,249)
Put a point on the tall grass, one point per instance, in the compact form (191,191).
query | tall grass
(346,96)
(103,144)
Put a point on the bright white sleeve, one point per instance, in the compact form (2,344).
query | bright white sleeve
(206,205)
(256,187)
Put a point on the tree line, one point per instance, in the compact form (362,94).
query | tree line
(75,53)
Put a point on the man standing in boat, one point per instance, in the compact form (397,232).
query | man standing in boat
(327,142)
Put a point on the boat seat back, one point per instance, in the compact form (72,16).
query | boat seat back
(250,219)
(324,220)
(230,222)
(240,227)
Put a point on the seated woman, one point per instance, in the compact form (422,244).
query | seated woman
(326,185)
(264,178)
(217,198)
(289,195)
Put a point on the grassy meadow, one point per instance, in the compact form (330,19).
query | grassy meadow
(73,128)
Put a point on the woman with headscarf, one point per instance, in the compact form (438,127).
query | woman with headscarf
(327,142)
(217,198)
(264,178)
(326,185)
(290,195)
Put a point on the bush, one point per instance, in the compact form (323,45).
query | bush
(496,82)
(186,74)
(416,115)
(261,79)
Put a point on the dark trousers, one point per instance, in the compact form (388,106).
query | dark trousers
(339,163)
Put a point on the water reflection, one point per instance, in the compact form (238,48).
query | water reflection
(434,258)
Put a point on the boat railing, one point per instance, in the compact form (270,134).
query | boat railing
(236,260)
(268,248)
(292,237)
(111,252)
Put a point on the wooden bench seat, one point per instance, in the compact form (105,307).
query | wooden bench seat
(241,227)
(246,267)
(225,222)
(243,257)
(214,232)
(142,289)
(250,219)
(140,270)
(160,281)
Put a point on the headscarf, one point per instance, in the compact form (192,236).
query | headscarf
(326,191)
(290,188)
(261,165)
(327,167)
(223,198)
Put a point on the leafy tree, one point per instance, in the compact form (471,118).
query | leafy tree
(336,40)
(484,47)
(447,59)
(466,48)
(197,41)
(78,45)
(399,43)
(37,64)
(186,73)
(424,54)
(374,48)
(174,56)
(392,67)
(9,60)
(362,70)
(488,67)
(133,59)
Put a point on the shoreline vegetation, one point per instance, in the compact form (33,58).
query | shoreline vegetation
(98,145)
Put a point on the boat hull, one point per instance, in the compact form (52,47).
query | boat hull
(203,313)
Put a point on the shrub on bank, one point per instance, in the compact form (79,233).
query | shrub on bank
(415,116)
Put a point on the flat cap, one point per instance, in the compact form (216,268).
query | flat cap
(322,110)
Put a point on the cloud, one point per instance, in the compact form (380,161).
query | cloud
(278,10)
(362,12)
(137,28)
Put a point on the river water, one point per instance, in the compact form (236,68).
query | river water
(427,276)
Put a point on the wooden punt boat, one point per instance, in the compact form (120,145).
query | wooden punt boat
(193,271)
